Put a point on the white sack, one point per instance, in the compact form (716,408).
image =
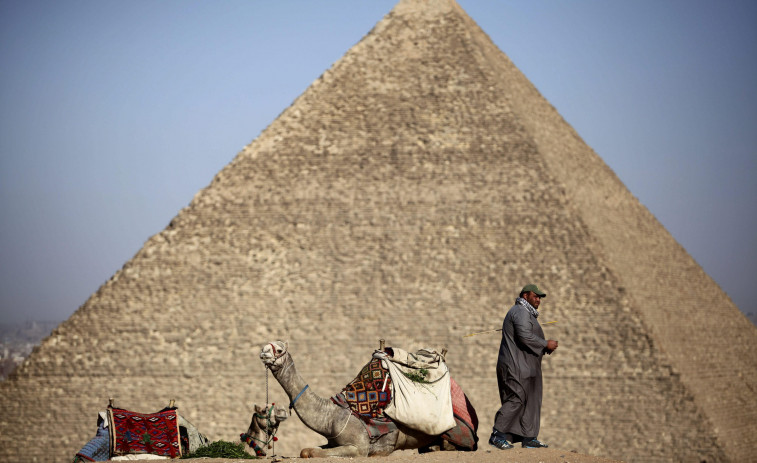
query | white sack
(426,407)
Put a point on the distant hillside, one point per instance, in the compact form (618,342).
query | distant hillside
(17,341)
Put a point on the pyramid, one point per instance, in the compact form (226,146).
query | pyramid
(407,195)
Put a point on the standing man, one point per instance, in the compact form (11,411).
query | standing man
(519,373)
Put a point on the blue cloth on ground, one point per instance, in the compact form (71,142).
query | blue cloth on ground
(98,448)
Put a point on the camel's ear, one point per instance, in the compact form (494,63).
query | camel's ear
(286,345)
(258,409)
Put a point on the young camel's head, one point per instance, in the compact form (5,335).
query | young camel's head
(263,426)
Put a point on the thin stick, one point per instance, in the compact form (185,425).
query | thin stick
(482,332)
(499,329)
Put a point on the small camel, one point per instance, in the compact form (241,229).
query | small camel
(347,436)
(263,426)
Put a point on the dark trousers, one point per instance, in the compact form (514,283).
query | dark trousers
(519,415)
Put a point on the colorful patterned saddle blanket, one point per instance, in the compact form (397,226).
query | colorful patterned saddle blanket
(370,392)
(155,433)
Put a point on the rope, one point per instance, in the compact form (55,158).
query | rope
(291,404)
(349,415)
(250,440)
(268,418)
(286,367)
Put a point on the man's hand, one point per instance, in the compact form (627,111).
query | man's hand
(551,346)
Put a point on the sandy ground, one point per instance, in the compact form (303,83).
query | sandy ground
(486,454)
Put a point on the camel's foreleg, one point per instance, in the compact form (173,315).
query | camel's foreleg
(322,452)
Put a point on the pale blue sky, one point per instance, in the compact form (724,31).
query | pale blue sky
(113,114)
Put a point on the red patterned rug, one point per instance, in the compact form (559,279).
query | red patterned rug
(464,435)
(155,433)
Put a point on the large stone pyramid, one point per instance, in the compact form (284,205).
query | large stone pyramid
(407,195)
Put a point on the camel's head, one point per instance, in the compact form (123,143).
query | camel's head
(262,431)
(267,418)
(272,353)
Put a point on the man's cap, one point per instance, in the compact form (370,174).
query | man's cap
(534,289)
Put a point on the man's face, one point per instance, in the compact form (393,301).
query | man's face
(532,299)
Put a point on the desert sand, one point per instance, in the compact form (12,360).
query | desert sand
(486,454)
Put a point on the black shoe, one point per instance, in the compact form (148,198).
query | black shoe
(499,442)
(534,444)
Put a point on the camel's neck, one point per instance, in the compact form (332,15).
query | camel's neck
(321,415)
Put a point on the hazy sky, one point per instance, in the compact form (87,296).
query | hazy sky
(113,114)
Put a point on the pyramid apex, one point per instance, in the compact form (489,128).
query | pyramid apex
(425,7)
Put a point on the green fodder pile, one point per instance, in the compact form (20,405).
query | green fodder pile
(221,449)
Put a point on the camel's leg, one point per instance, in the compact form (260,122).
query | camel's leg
(438,446)
(341,451)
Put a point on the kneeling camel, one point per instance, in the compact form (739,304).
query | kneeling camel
(346,435)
